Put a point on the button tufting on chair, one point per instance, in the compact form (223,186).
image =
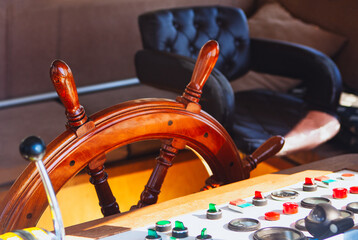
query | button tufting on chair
(238,42)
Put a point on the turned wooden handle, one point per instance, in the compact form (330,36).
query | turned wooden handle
(268,149)
(65,86)
(205,63)
(62,79)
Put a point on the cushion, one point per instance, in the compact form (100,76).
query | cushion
(272,21)
(261,114)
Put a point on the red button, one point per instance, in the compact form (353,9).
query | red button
(308,181)
(290,208)
(354,190)
(258,195)
(272,216)
(340,193)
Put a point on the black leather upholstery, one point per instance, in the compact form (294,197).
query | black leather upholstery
(172,39)
(261,114)
(173,72)
(185,30)
(322,79)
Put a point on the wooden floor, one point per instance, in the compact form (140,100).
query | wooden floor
(78,201)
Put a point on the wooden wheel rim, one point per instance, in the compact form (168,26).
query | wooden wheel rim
(26,200)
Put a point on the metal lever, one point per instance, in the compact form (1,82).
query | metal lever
(33,149)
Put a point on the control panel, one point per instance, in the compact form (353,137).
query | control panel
(280,214)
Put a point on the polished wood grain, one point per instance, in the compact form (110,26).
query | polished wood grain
(127,179)
(176,123)
(198,201)
(115,127)
(78,121)
(107,201)
(273,144)
(152,188)
(208,56)
(62,79)
(250,162)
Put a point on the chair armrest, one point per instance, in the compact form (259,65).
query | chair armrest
(314,129)
(318,72)
(173,72)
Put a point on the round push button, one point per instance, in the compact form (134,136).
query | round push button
(152,235)
(272,216)
(203,235)
(353,207)
(180,231)
(244,224)
(163,226)
(340,193)
(290,208)
(309,185)
(353,189)
(213,213)
(259,199)
(311,202)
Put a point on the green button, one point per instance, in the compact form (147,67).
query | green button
(179,225)
(212,207)
(152,233)
(163,222)
(203,233)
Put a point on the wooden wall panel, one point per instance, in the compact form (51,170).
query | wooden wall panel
(3,30)
(98,39)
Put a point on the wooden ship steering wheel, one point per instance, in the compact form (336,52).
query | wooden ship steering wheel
(84,144)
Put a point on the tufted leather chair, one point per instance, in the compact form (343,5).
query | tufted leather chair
(172,39)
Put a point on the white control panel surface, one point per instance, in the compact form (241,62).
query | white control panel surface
(219,230)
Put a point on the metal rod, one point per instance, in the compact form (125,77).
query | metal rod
(80,90)
(51,197)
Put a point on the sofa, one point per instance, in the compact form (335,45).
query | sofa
(98,40)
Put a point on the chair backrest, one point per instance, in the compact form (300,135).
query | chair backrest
(177,123)
(184,30)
